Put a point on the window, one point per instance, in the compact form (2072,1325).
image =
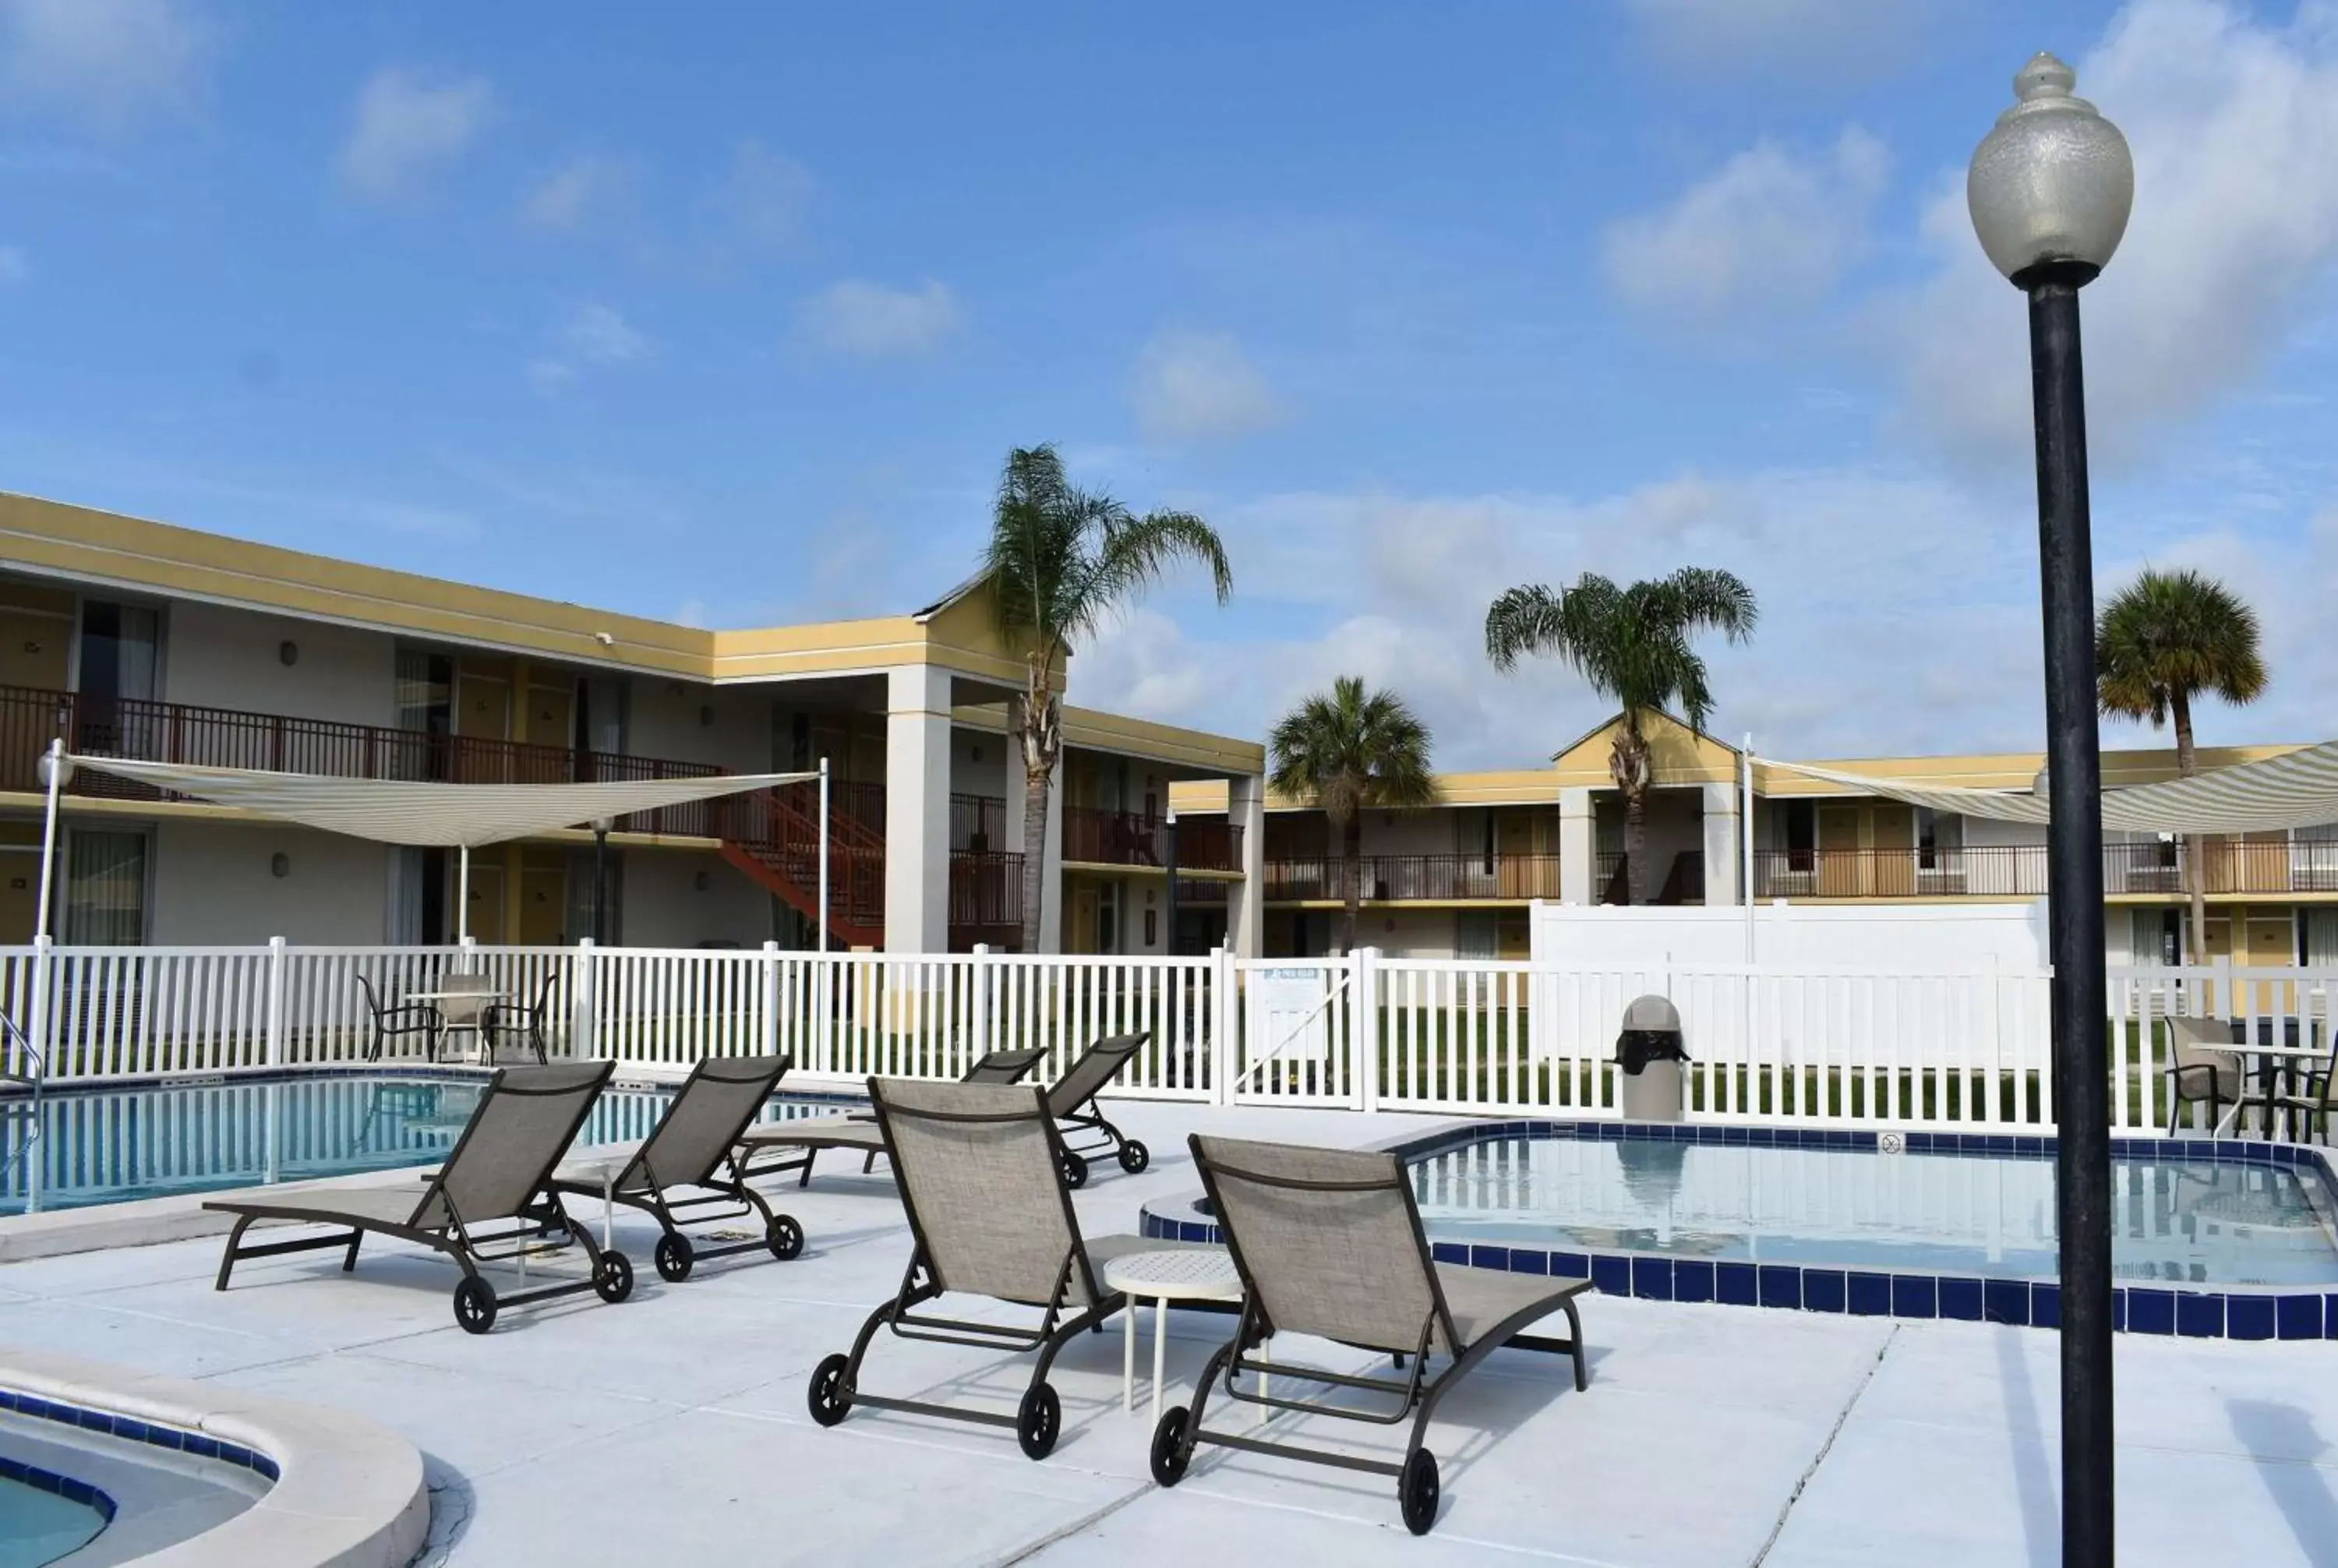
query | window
(1152,928)
(1798,825)
(426,709)
(106,890)
(1476,934)
(2159,936)
(117,650)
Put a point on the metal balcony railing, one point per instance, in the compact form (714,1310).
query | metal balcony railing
(1396,879)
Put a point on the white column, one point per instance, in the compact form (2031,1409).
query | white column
(1720,844)
(917,809)
(1246,899)
(1578,864)
(1051,871)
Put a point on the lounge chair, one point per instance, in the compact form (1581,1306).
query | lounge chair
(856,1131)
(1327,1242)
(1071,1101)
(500,1170)
(980,1167)
(694,1146)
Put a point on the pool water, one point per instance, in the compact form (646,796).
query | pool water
(109,1146)
(38,1526)
(2198,1221)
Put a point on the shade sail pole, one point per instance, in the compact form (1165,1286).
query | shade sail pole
(823,854)
(1745,836)
(55,771)
(463,898)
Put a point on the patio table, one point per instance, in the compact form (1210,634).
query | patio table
(1188,1274)
(487,1001)
(2270,1058)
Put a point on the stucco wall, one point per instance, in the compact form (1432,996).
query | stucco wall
(212,885)
(221,658)
(729,727)
(664,906)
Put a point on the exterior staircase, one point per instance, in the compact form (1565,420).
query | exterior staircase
(773,835)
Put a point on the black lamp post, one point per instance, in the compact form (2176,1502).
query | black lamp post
(2050,190)
(601,825)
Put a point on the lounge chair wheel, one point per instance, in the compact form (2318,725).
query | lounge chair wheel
(475,1305)
(613,1278)
(827,1397)
(674,1258)
(1038,1420)
(1169,1455)
(784,1238)
(1416,1491)
(1076,1169)
(1134,1157)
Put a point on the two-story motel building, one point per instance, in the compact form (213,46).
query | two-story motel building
(145,640)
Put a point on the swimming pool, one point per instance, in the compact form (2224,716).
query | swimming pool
(38,1523)
(112,1145)
(2214,1238)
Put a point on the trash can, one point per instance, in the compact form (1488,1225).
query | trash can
(1650,1052)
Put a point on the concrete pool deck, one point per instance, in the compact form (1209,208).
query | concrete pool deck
(672,1428)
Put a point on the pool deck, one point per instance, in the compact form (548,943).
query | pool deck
(672,1428)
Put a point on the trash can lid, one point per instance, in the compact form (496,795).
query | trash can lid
(1652,1013)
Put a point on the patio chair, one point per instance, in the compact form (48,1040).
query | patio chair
(464,1007)
(694,1146)
(980,1167)
(530,1020)
(500,1170)
(393,1023)
(2307,1100)
(2206,1068)
(857,1129)
(1071,1101)
(1327,1242)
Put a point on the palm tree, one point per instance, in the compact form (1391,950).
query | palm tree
(1352,751)
(2165,639)
(1059,562)
(1632,644)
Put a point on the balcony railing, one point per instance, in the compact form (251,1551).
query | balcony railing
(977,824)
(1395,878)
(1683,881)
(985,899)
(2018,870)
(1102,837)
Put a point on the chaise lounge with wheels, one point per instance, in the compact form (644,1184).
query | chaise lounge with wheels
(690,1162)
(499,1175)
(856,1131)
(981,1168)
(1327,1242)
(1072,1102)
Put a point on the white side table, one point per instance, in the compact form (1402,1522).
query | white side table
(1189,1274)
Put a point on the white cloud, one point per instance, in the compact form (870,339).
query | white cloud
(579,190)
(872,321)
(764,193)
(598,333)
(550,376)
(103,63)
(16,266)
(407,127)
(2234,130)
(1772,226)
(1916,636)
(1200,386)
(1758,34)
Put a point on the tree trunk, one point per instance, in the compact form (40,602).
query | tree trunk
(2196,845)
(1038,730)
(1636,844)
(1352,852)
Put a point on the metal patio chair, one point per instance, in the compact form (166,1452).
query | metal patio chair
(693,1149)
(500,1171)
(1327,1242)
(981,1168)
(465,1006)
(530,1021)
(393,1023)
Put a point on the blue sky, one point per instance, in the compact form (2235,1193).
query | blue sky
(732,318)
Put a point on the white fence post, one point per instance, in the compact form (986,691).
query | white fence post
(585,1004)
(978,984)
(1226,1012)
(771,968)
(276,1001)
(1364,1028)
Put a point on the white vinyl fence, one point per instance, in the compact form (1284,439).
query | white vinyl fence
(1833,1046)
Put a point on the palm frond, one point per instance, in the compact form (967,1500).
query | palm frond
(2171,635)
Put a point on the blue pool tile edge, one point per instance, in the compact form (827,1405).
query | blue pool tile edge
(57,1485)
(2236,1313)
(130,1429)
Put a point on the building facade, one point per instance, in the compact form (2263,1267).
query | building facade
(136,639)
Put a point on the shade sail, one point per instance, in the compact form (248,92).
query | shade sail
(2296,791)
(396,811)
